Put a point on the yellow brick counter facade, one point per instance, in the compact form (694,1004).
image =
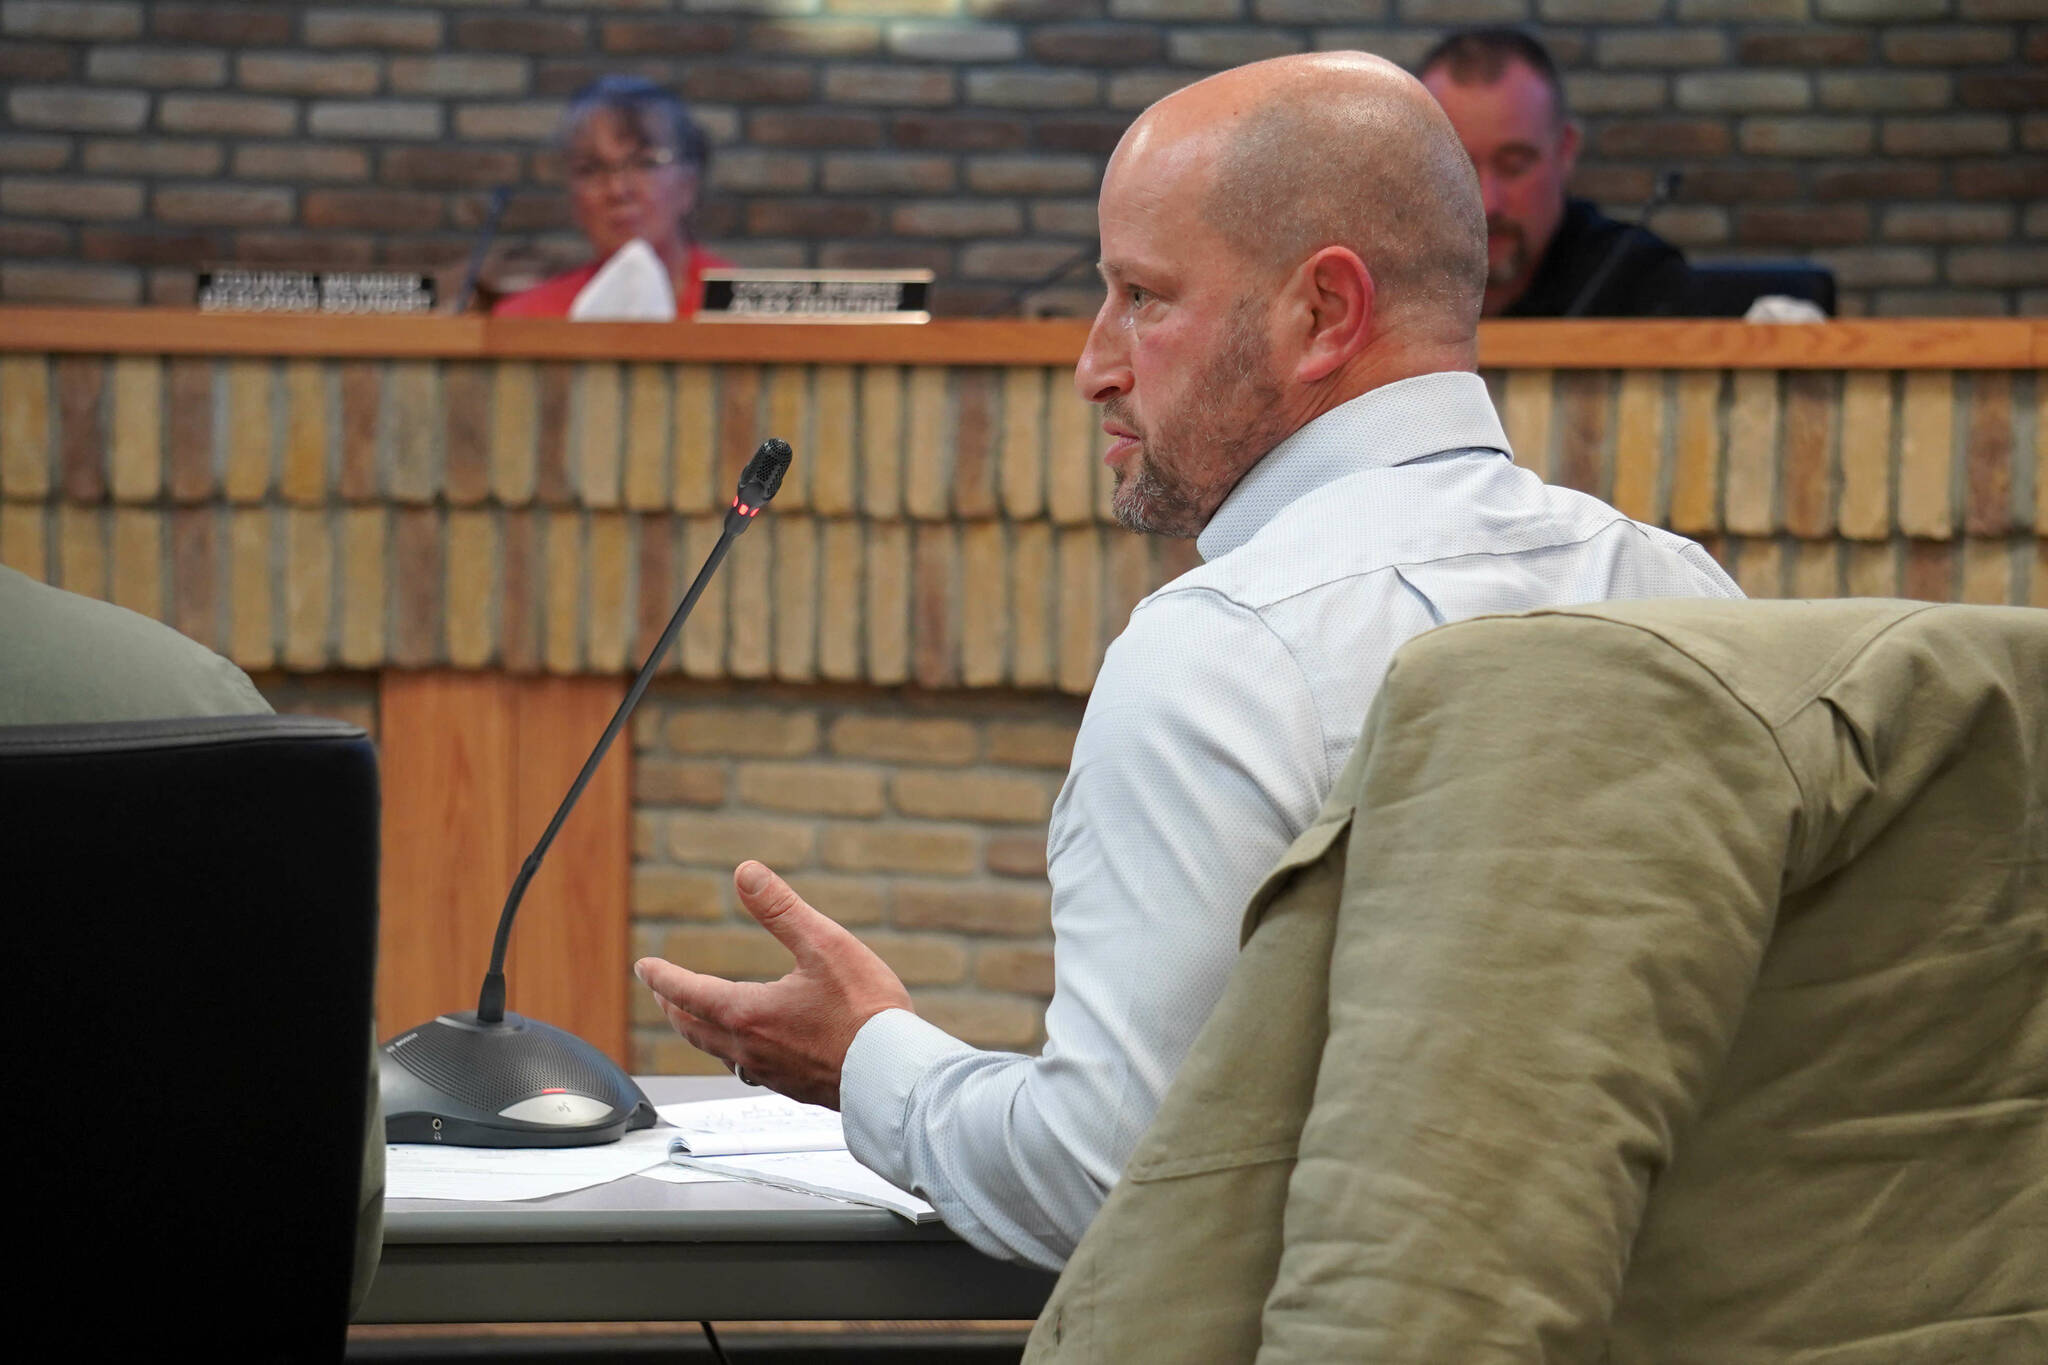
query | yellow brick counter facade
(879,690)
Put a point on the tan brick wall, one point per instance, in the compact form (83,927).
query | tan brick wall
(944,528)
(954,899)
(834,710)
(1904,142)
(917,819)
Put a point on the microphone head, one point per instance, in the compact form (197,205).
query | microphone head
(763,475)
(759,480)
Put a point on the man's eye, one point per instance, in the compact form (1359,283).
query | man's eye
(1138,297)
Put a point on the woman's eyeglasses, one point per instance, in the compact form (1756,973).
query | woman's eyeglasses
(642,165)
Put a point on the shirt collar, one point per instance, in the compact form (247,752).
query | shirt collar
(1387,426)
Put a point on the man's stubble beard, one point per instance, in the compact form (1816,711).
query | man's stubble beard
(1517,266)
(1232,420)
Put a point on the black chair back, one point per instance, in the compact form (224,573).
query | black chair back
(195,904)
(1726,290)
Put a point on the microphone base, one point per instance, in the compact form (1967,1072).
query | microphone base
(517,1083)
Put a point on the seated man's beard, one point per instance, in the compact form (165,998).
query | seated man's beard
(1517,263)
(1188,461)
(1143,501)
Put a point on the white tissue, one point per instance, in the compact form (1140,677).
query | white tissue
(632,286)
(1783,308)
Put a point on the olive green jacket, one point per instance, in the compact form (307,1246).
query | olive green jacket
(1678,993)
(67,659)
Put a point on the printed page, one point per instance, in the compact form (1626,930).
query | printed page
(835,1175)
(425,1170)
(668,1173)
(751,1123)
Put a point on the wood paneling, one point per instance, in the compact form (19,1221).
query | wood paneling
(446,765)
(1920,343)
(570,958)
(472,767)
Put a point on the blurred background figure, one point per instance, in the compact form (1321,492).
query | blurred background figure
(635,161)
(1547,254)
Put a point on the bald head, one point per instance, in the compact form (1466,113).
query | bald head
(1276,241)
(1334,149)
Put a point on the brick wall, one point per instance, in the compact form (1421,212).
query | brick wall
(916,819)
(879,693)
(1903,142)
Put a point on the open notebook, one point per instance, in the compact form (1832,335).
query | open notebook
(776,1141)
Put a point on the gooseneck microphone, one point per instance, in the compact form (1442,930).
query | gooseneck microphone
(759,482)
(493,1079)
(1666,187)
(1087,256)
(493,211)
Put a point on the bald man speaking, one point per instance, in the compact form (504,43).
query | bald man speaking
(1294,253)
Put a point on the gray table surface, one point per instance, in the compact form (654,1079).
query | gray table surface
(639,1250)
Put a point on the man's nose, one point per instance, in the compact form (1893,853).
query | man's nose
(1103,372)
(1489,192)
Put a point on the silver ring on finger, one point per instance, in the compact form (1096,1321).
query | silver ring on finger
(744,1078)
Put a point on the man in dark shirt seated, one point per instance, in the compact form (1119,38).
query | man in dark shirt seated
(1544,251)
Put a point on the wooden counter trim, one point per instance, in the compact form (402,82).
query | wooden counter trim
(943,341)
(162,331)
(1862,344)
(181,331)
(1902,344)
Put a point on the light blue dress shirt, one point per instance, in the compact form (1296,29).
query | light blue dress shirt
(1220,720)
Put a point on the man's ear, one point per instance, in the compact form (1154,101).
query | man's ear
(1569,139)
(1335,297)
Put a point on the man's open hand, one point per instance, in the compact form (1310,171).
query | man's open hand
(789,1035)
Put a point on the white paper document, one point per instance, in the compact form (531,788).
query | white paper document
(421,1170)
(835,1175)
(750,1124)
(670,1174)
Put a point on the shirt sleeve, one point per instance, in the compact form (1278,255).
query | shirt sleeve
(1199,758)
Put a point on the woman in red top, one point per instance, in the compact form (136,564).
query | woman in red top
(636,162)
